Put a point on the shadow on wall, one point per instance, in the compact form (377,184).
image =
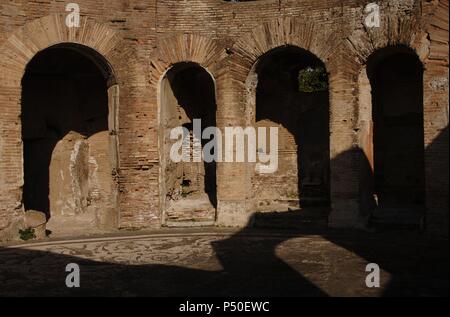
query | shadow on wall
(437,183)
(303,119)
(396,78)
(194,91)
(248,264)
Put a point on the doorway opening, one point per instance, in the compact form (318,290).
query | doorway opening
(396,78)
(189,191)
(292,94)
(67,138)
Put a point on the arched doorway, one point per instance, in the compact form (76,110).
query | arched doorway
(69,101)
(188,189)
(396,80)
(292,94)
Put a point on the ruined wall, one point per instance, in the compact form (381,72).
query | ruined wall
(121,32)
(424,29)
(141,39)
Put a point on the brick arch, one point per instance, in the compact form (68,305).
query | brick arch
(395,29)
(192,48)
(240,111)
(282,32)
(186,48)
(277,33)
(15,54)
(35,36)
(425,35)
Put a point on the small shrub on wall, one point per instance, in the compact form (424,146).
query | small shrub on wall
(313,79)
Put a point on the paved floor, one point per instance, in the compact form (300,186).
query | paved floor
(215,263)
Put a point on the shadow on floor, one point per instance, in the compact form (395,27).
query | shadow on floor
(249,266)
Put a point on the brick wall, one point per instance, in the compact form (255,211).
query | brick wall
(141,39)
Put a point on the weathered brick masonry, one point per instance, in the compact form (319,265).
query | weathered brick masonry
(140,40)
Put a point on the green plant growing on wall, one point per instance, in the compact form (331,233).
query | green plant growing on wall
(27,234)
(313,79)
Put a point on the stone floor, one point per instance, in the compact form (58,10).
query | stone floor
(213,262)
